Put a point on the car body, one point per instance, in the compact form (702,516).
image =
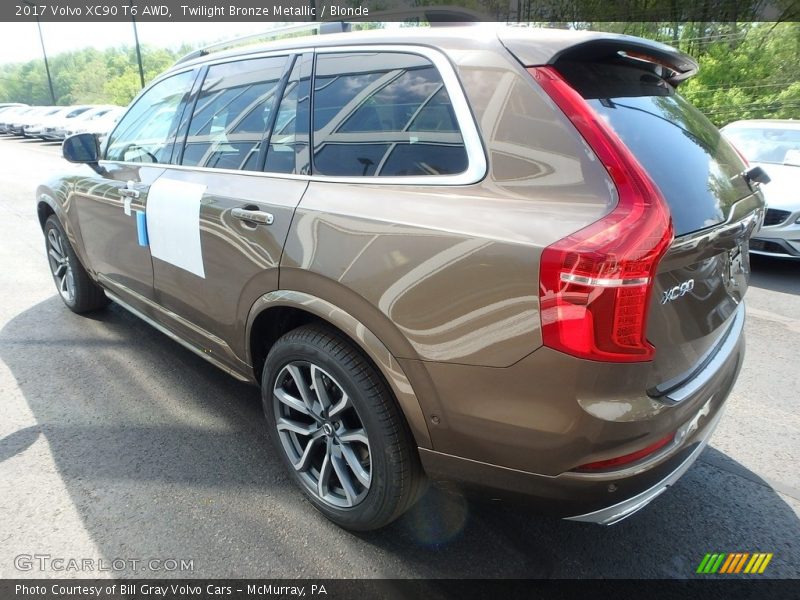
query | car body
(56,127)
(21,118)
(485,271)
(774,145)
(35,126)
(99,123)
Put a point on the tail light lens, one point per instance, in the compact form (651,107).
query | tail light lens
(595,284)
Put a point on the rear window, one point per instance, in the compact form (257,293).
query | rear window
(696,169)
(385,115)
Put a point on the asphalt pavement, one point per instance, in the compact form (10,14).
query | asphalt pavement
(117,443)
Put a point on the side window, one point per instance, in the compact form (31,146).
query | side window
(232,112)
(288,143)
(383,114)
(147,131)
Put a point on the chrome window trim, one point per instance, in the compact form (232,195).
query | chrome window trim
(476,157)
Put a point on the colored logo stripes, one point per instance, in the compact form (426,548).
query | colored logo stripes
(734,562)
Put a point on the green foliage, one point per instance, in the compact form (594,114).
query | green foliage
(89,76)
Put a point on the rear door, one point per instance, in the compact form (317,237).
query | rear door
(218,221)
(703,277)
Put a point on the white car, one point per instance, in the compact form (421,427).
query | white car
(35,125)
(98,123)
(57,125)
(774,145)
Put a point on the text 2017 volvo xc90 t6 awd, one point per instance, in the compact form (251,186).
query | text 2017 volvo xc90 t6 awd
(514,259)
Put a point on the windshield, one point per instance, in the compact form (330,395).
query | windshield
(768,144)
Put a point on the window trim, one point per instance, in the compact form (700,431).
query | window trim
(477,164)
(473,145)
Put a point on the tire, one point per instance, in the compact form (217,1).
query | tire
(373,473)
(73,283)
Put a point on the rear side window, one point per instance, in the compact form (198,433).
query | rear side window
(383,114)
(696,169)
(146,133)
(231,114)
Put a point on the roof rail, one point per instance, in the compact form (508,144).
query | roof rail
(433,15)
(270,33)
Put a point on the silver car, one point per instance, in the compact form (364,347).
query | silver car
(775,146)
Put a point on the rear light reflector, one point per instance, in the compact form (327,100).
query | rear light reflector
(595,284)
(625,459)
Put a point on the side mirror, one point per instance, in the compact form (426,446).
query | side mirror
(82,148)
(756,174)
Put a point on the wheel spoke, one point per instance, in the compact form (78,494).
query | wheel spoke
(63,285)
(340,406)
(56,256)
(319,387)
(343,473)
(323,487)
(354,435)
(301,428)
(290,401)
(60,270)
(305,459)
(302,387)
(355,465)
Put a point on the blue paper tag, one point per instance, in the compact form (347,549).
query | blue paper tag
(141,228)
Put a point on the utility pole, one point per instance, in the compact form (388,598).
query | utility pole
(138,48)
(44,53)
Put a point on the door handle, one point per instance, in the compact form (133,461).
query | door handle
(254,216)
(129,191)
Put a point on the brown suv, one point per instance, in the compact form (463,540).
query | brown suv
(510,257)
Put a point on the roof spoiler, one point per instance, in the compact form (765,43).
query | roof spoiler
(526,45)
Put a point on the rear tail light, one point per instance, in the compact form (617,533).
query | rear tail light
(595,284)
(625,459)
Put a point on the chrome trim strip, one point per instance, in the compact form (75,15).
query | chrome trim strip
(604,282)
(622,510)
(476,157)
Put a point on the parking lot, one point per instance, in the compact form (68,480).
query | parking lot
(117,443)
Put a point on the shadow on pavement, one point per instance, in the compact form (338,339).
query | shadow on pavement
(164,456)
(778,275)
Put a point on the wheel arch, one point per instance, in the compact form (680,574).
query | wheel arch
(278,312)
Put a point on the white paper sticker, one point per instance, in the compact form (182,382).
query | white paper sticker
(126,206)
(173,224)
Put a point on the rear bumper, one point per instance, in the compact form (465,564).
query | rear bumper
(617,512)
(607,497)
(780,241)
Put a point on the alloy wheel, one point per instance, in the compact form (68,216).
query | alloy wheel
(322,434)
(60,266)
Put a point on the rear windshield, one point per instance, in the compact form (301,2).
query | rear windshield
(696,169)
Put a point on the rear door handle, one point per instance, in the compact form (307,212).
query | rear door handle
(254,216)
(129,193)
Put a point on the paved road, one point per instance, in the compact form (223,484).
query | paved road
(115,442)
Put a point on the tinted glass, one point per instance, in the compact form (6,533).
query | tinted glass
(288,144)
(696,169)
(767,144)
(231,114)
(383,114)
(147,131)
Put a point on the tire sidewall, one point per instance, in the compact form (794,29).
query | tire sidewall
(53,223)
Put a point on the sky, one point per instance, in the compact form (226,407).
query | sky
(19,42)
